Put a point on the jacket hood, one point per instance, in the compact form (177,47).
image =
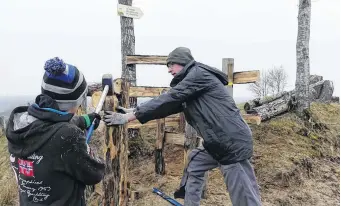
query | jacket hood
(181,75)
(28,128)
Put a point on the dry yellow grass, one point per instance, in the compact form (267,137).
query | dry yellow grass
(8,192)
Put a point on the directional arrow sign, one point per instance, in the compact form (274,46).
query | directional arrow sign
(129,11)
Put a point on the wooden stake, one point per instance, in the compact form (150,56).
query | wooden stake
(160,142)
(160,139)
(228,67)
(116,156)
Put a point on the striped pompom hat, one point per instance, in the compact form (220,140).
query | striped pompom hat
(64,83)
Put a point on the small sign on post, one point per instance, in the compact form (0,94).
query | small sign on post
(129,11)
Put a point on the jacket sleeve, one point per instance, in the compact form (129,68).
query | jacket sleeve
(171,102)
(78,121)
(77,159)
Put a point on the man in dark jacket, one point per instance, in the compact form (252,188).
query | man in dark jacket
(48,153)
(199,91)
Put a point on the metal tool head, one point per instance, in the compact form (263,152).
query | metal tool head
(107,80)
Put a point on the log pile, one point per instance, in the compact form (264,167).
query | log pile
(319,91)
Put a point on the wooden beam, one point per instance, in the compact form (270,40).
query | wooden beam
(146,59)
(174,138)
(174,121)
(171,121)
(146,91)
(245,77)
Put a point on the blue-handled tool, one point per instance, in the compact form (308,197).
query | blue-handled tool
(166,197)
(107,89)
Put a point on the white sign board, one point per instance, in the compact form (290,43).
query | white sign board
(129,11)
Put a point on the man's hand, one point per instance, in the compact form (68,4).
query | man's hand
(114,118)
(125,110)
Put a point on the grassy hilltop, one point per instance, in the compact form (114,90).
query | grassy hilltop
(296,163)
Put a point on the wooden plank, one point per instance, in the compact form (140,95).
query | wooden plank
(172,121)
(245,77)
(146,59)
(141,91)
(174,138)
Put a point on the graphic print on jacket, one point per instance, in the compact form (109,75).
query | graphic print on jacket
(49,156)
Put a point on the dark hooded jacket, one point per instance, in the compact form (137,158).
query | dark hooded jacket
(49,155)
(200,92)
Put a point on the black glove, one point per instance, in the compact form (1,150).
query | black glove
(89,118)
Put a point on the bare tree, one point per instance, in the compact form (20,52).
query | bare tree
(277,79)
(272,81)
(261,87)
(302,57)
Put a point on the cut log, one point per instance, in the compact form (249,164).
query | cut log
(274,108)
(249,105)
(258,102)
(320,91)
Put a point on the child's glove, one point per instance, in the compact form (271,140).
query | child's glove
(89,118)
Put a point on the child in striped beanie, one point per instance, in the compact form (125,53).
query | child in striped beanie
(47,143)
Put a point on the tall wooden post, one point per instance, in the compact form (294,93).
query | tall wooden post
(160,141)
(228,68)
(127,45)
(159,147)
(128,48)
(182,123)
(116,153)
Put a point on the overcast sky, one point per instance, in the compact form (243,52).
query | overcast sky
(257,34)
